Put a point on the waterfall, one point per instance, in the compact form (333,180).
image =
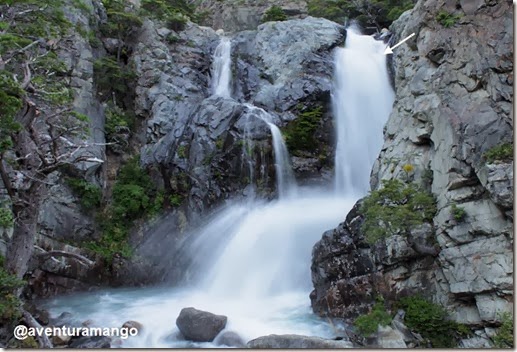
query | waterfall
(285,181)
(221,69)
(251,260)
(362,99)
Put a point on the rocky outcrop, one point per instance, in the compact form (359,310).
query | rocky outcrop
(200,326)
(296,341)
(453,104)
(236,15)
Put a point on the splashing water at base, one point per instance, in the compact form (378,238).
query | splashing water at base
(261,279)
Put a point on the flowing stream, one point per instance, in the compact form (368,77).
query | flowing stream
(251,261)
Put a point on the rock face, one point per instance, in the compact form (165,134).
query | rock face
(296,341)
(236,15)
(453,104)
(197,325)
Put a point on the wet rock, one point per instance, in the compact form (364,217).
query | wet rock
(235,15)
(60,340)
(131,324)
(229,339)
(200,326)
(387,337)
(296,341)
(90,342)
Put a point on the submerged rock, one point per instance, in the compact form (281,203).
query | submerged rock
(296,341)
(230,339)
(200,326)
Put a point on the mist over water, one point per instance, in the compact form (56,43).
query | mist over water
(251,262)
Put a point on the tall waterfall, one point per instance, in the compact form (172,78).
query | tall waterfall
(362,99)
(250,260)
(221,69)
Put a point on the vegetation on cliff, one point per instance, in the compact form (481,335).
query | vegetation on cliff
(396,208)
(369,13)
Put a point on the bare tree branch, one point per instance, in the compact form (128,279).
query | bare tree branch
(43,340)
(81,259)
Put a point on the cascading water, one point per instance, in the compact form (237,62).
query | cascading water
(221,69)
(362,99)
(252,259)
(285,181)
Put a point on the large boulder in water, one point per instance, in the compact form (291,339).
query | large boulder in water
(200,326)
(296,341)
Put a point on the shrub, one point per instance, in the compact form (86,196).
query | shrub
(9,303)
(175,13)
(378,13)
(274,13)
(458,213)
(431,321)
(367,324)
(447,19)
(299,134)
(89,195)
(6,217)
(504,335)
(501,152)
(396,208)
(112,76)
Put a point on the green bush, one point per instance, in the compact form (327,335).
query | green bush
(89,195)
(501,152)
(504,335)
(11,95)
(431,321)
(274,13)
(377,13)
(9,303)
(396,208)
(447,19)
(299,134)
(175,13)
(367,324)
(458,213)
(6,217)
(112,76)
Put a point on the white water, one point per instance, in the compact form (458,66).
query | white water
(221,69)
(362,100)
(251,262)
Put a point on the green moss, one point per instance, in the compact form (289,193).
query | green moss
(182,151)
(367,324)
(501,152)
(274,13)
(396,208)
(299,134)
(431,321)
(447,19)
(504,335)
(458,213)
